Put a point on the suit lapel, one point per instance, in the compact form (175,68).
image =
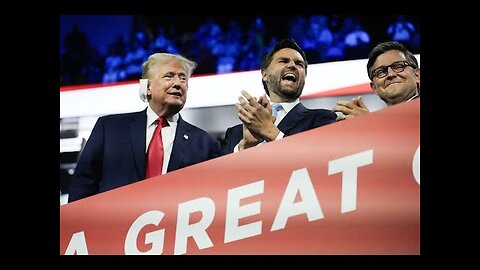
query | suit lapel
(138,134)
(293,118)
(180,144)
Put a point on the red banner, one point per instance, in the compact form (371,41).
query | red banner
(352,187)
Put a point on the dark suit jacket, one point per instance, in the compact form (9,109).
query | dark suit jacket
(297,120)
(114,155)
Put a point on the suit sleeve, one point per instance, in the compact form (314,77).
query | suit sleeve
(233,135)
(88,172)
(215,148)
(328,117)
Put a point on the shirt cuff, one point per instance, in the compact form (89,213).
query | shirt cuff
(279,136)
(235,150)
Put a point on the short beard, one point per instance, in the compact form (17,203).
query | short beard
(287,94)
(292,95)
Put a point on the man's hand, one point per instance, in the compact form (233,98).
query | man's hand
(248,139)
(350,109)
(257,117)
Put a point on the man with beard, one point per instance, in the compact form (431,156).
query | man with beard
(395,77)
(284,69)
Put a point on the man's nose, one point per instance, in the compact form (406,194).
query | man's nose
(390,72)
(176,82)
(291,64)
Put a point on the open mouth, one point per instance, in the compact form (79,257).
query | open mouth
(289,77)
(178,94)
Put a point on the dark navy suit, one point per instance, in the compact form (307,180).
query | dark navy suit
(114,155)
(297,120)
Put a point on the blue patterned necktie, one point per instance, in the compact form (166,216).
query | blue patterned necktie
(276,108)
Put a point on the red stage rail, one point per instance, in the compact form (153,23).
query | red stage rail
(351,187)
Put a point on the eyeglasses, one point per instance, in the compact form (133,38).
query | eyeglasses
(382,71)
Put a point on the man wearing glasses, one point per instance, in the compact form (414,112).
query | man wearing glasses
(395,77)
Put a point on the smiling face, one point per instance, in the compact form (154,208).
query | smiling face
(168,85)
(285,76)
(395,87)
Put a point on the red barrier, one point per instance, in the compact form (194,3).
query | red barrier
(351,187)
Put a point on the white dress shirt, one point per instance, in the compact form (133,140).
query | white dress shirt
(286,108)
(168,135)
(416,95)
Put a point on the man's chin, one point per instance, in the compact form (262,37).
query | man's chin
(292,94)
(175,106)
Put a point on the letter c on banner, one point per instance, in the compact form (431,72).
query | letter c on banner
(416,165)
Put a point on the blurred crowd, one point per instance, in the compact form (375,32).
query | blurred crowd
(230,45)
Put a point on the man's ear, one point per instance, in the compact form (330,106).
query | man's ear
(417,76)
(372,86)
(143,92)
(264,76)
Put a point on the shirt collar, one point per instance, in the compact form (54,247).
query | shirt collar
(288,106)
(152,116)
(416,95)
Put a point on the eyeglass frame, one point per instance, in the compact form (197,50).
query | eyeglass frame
(405,65)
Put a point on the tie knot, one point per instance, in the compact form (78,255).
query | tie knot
(276,107)
(161,122)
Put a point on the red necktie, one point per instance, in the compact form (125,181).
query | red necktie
(155,151)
